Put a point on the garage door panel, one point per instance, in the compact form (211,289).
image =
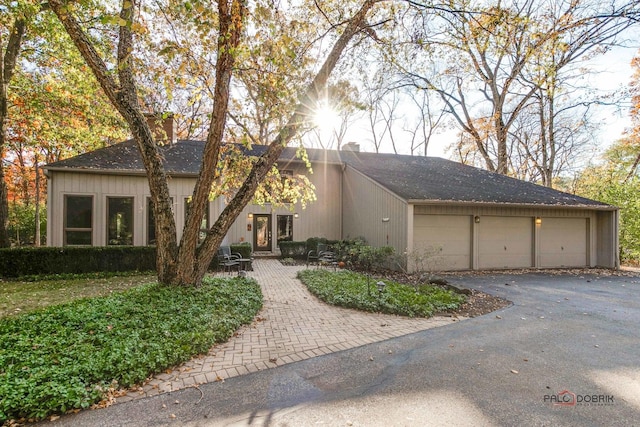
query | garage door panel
(505,242)
(563,242)
(445,240)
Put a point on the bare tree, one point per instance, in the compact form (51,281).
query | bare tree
(489,55)
(426,124)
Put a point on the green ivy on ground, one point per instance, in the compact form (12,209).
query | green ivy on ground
(66,357)
(349,289)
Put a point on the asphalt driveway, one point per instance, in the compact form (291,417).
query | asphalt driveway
(567,352)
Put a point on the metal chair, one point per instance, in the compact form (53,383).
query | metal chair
(322,256)
(227,259)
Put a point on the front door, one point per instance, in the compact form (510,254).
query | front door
(262,232)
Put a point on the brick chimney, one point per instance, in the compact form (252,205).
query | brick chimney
(351,146)
(163,128)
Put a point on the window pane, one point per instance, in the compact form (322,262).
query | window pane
(120,214)
(79,211)
(78,238)
(285,227)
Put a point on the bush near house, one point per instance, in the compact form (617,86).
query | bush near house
(73,355)
(358,255)
(22,224)
(26,261)
(354,253)
(291,249)
(44,261)
(245,249)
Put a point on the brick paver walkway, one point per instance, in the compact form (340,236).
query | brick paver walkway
(293,325)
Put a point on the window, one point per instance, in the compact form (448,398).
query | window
(204,224)
(78,220)
(285,228)
(119,220)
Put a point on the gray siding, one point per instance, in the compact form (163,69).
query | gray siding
(607,237)
(373,212)
(322,217)
(103,186)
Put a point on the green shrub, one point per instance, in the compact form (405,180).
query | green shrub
(243,249)
(357,254)
(67,356)
(22,223)
(296,250)
(27,261)
(353,290)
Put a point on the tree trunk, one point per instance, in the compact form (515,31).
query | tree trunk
(36,240)
(123,96)
(186,264)
(260,169)
(7,68)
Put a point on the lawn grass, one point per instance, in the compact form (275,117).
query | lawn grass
(354,290)
(67,356)
(25,295)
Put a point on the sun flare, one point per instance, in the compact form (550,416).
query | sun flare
(326,118)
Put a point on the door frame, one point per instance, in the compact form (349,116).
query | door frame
(269,246)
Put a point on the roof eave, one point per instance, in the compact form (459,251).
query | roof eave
(518,205)
(127,172)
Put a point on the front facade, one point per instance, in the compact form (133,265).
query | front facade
(439,214)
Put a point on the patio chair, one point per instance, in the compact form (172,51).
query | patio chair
(313,256)
(227,259)
(321,256)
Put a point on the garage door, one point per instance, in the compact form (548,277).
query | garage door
(563,242)
(505,242)
(444,241)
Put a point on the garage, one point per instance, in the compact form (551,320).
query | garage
(563,242)
(505,242)
(443,242)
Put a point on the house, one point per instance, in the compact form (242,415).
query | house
(444,215)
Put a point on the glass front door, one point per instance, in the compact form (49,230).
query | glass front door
(262,232)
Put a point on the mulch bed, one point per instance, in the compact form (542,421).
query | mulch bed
(477,303)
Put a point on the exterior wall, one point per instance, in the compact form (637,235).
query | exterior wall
(373,212)
(599,238)
(321,218)
(348,205)
(607,254)
(103,186)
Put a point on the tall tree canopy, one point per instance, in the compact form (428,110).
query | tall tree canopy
(49,97)
(632,138)
(13,24)
(212,40)
(506,72)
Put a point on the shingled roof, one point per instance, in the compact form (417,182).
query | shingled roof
(413,178)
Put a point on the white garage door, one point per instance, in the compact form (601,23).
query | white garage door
(505,242)
(563,242)
(444,240)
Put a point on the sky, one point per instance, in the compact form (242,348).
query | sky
(613,72)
